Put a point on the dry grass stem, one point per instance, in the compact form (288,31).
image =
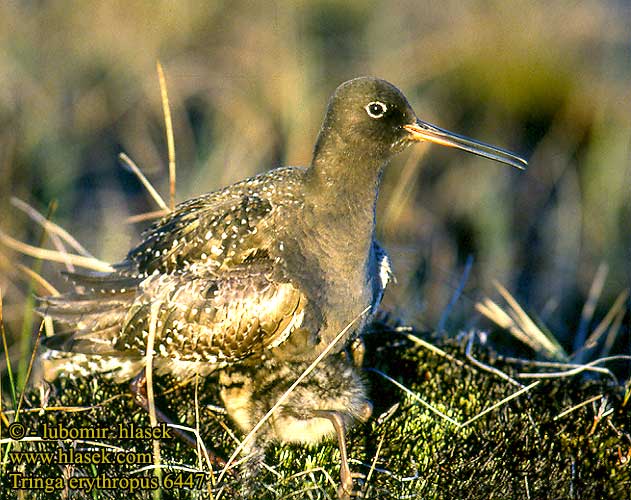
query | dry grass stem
(576,407)
(603,411)
(485,367)
(446,417)
(229,431)
(167,466)
(54,238)
(132,219)
(127,161)
(526,487)
(576,369)
(549,364)
(169,131)
(199,455)
(199,439)
(587,314)
(430,347)
(373,464)
(100,444)
(153,320)
(54,230)
(415,396)
(496,314)
(613,332)
(5,347)
(500,403)
(54,256)
(201,448)
(65,409)
(515,320)
(616,308)
(50,289)
(311,473)
(3,417)
(29,369)
(527,326)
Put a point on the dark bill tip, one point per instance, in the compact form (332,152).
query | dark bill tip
(422,131)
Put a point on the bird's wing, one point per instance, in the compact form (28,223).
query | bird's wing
(214,318)
(221,296)
(213,229)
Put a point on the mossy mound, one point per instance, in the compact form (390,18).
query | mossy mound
(522,449)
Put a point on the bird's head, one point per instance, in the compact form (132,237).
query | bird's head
(374,120)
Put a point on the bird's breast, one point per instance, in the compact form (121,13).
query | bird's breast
(336,284)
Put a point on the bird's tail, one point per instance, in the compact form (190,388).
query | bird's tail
(91,316)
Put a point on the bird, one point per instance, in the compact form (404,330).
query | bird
(272,266)
(259,278)
(330,399)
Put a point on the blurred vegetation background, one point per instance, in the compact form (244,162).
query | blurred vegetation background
(248,83)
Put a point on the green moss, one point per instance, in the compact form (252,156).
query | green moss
(519,450)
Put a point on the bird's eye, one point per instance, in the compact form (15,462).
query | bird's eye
(376,109)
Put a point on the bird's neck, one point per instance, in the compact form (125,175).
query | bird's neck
(343,185)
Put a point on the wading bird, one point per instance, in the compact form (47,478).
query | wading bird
(257,279)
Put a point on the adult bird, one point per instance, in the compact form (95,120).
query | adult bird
(274,266)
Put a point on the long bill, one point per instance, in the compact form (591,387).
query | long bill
(423,131)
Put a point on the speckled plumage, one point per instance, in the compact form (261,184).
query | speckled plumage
(335,386)
(271,267)
(219,266)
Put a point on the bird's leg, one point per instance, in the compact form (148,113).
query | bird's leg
(138,388)
(250,484)
(345,490)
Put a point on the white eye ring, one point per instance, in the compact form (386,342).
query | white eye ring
(376,109)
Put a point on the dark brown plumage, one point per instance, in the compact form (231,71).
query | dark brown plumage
(271,267)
